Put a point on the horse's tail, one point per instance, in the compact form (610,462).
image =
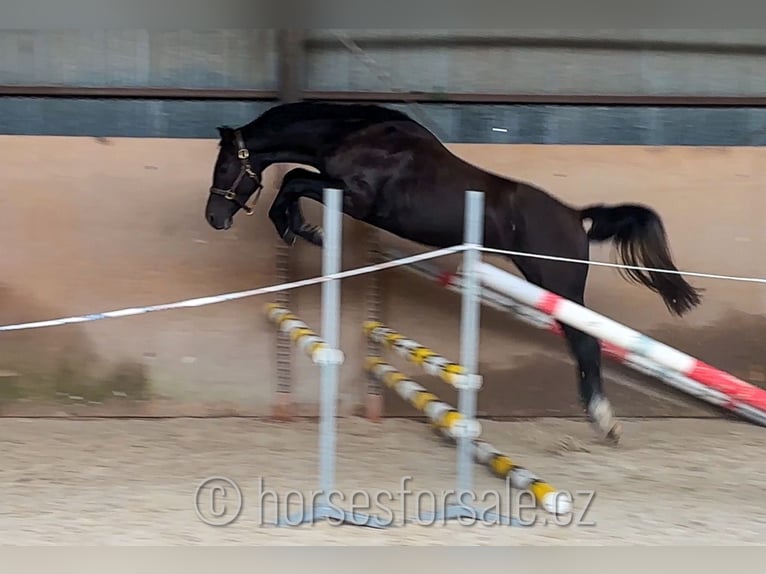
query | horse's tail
(640,239)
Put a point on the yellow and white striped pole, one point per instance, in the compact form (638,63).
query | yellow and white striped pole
(447,419)
(299,332)
(417,354)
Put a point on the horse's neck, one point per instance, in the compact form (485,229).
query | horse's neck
(300,141)
(265,159)
(283,151)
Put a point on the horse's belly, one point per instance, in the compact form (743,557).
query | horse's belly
(435,223)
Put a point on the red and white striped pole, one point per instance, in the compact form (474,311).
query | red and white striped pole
(744,398)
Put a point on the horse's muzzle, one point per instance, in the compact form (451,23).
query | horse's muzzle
(218,223)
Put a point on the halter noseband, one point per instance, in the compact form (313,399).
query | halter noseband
(246,170)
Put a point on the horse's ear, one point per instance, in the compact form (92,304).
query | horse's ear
(225,132)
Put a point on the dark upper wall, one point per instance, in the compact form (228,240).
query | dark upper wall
(456,123)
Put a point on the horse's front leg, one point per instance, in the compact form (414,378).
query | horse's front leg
(285,212)
(355,204)
(298,225)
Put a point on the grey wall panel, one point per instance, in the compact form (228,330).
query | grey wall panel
(549,124)
(334,68)
(140,58)
(242,58)
(726,63)
(533,70)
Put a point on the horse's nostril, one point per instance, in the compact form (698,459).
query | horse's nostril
(210,218)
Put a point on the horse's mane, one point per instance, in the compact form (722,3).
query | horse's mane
(281,116)
(285,114)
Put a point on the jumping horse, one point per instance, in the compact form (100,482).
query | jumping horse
(397,176)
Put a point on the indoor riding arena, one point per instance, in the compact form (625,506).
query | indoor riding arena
(166,382)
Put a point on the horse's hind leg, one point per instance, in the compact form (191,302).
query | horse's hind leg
(587,352)
(568,280)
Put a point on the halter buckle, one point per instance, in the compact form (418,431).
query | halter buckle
(249,210)
(231,194)
(243,153)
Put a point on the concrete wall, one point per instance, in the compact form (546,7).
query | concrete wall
(91,226)
(606,62)
(651,62)
(140,58)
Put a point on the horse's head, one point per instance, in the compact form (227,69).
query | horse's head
(234,180)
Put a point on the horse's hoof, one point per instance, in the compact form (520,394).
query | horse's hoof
(313,234)
(603,420)
(611,435)
(288,237)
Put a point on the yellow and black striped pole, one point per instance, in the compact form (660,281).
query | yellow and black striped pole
(446,418)
(299,332)
(417,354)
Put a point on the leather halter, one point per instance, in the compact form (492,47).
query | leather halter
(243,154)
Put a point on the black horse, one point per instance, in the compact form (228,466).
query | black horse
(397,176)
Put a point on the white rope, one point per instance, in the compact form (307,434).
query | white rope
(202,301)
(620,266)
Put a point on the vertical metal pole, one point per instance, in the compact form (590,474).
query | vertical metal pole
(329,359)
(331,260)
(473,234)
